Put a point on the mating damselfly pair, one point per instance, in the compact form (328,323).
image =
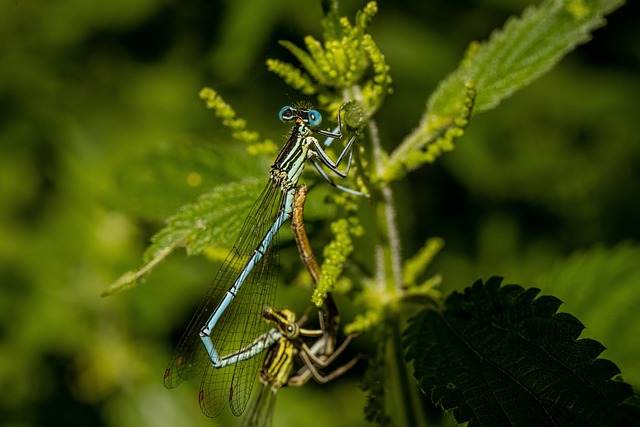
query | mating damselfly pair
(277,368)
(228,329)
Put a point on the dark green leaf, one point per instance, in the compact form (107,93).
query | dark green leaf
(499,356)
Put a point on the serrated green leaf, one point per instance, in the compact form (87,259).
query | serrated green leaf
(512,58)
(529,46)
(499,356)
(211,222)
(152,183)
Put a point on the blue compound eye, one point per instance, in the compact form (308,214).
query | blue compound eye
(286,113)
(314,118)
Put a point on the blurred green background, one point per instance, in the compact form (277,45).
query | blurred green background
(101,126)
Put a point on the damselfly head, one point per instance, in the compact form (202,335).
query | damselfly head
(291,330)
(307,116)
(285,321)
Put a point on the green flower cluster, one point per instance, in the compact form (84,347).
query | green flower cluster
(335,69)
(238,126)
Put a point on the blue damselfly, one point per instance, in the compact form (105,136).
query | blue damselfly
(228,329)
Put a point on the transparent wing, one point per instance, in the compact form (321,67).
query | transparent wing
(240,323)
(262,408)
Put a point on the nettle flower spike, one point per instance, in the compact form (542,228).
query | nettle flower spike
(339,64)
(238,126)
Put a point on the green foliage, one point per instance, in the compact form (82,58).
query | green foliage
(499,355)
(238,126)
(339,64)
(103,136)
(416,266)
(374,383)
(600,286)
(512,58)
(336,253)
(527,47)
(210,223)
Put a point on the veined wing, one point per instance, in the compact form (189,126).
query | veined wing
(242,321)
(190,357)
(240,324)
(261,413)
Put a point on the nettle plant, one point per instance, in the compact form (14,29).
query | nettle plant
(492,354)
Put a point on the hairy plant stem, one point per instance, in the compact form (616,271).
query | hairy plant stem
(389,273)
(389,279)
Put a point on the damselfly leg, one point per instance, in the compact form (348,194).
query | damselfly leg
(276,371)
(277,368)
(229,317)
